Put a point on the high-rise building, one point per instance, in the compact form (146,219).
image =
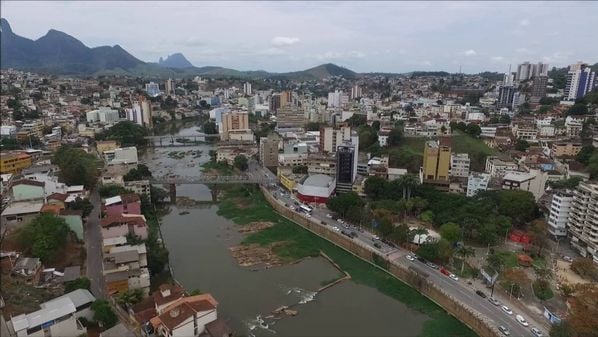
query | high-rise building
(247,88)
(505,96)
(331,138)
(583,220)
(355,92)
(141,113)
(169,87)
(275,102)
(559,213)
(580,81)
(538,89)
(152,89)
(290,118)
(527,71)
(437,158)
(146,110)
(238,120)
(269,151)
(459,165)
(286,98)
(335,99)
(346,167)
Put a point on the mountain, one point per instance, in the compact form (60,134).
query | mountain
(57,52)
(176,60)
(318,73)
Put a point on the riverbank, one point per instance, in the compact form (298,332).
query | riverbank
(246,204)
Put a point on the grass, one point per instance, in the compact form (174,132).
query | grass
(509,258)
(468,271)
(542,290)
(300,243)
(539,262)
(221,168)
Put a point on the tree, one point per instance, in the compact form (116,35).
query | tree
(76,166)
(140,173)
(375,187)
(213,155)
(130,297)
(563,329)
(356,120)
(300,169)
(157,195)
(521,145)
(394,137)
(313,126)
(585,268)
(464,252)
(539,234)
(367,136)
(376,125)
(111,190)
(401,234)
(79,283)
(505,119)
(583,311)
(408,182)
(584,155)
(81,204)
(593,166)
(195,292)
(210,128)
(451,232)
(103,314)
(127,133)
(342,203)
(240,162)
(578,109)
(514,280)
(428,251)
(44,237)
(473,130)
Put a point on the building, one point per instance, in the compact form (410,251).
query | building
(122,155)
(56,318)
(269,150)
(496,167)
(114,226)
(477,182)
(129,203)
(565,149)
(506,94)
(583,220)
(138,187)
(14,162)
(559,213)
(125,266)
(346,167)
(538,89)
(356,92)
(187,316)
(533,181)
(459,165)
(169,87)
(331,138)
(290,118)
(435,170)
(152,89)
(103,115)
(21,213)
(26,189)
(247,88)
(316,188)
(106,145)
(234,121)
(527,71)
(580,81)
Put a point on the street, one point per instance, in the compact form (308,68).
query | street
(93,243)
(458,289)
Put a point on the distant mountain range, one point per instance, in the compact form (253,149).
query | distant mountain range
(59,53)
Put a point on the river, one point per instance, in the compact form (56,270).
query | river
(198,242)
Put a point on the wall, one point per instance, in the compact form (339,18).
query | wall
(461,311)
(115,231)
(67,328)
(27,192)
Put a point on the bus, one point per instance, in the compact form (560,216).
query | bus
(306,209)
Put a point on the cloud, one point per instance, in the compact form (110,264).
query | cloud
(283,41)
(497,59)
(524,23)
(470,52)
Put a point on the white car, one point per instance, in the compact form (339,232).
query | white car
(376,237)
(505,331)
(410,258)
(537,332)
(454,277)
(507,310)
(521,320)
(336,229)
(493,301)
(340,221)
(329,216)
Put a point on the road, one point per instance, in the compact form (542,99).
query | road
(458,289)
(93,243)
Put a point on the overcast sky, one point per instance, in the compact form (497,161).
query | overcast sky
(365,37)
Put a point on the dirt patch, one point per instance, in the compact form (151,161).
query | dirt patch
(256,256)
(73,254)
(565,275)
(254,227)
(20,297)
(242,203)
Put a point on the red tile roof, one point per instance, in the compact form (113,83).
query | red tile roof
(29,182)
(58,196)
(120,219)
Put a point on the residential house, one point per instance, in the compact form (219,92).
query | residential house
(139,187)
(81,298)
(57,199)
(123,225)
(20,213)
(74,220)
(28,268)
(129,203)
(125,266)
(188,316)
(25,189)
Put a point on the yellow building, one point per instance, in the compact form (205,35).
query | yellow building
(565,149)
(232,121)
(14,162)
(287,179)
(437,158)
(106,145)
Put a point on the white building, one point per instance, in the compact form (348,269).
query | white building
(247,88)
(331,138)
(496,167)
(477,182)
(316,188)
(580,81)
(459,165)
(121,155)
(583,220)
(103,115)
(152,89)
(559,213)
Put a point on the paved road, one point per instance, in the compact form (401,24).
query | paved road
(458,289)
(93,243)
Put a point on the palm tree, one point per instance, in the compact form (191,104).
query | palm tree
(465,252)
(408,183)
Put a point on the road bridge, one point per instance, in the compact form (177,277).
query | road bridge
(172,181)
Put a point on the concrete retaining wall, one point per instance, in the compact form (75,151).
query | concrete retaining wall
(478,323)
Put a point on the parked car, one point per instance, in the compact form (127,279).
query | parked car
(481,294)
(353,235)
(521,320)
(432,265)
(567,258)
(376,237)
(377,245)
(505,331)
(537,332)
(493,301)
(410,258)
(454,277)
(445,271)
(507,310)
(329,216)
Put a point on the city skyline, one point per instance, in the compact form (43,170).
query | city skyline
(364,37)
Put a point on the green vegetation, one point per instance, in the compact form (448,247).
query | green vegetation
(570,183)
(157,254)
(81,204)
(130,297)
(240,163)
(210,128)
(221,167)
(44,237)
(542,290)
(126,133)
(111,190)
(140,173)
(300,169)
(103,314)
(246,204)
(76,166)
(80,283)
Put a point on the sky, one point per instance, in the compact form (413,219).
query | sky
(362,36)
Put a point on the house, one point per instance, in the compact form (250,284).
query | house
(166,295)
(125,267)
(21,213)
(57,317)
(123,204)
(81,298)
(123,225)
(25,189)
(74,220)
(28,268)
(187,316)
(57,199)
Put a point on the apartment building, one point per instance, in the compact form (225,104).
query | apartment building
(565,149)
(477,182)
(559,213)
(583,220)
(496,167)
(268,151)
(435,169)
(234,121)
(125,266)
(331,138)
(121,155)
(14,162)
(459,165)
